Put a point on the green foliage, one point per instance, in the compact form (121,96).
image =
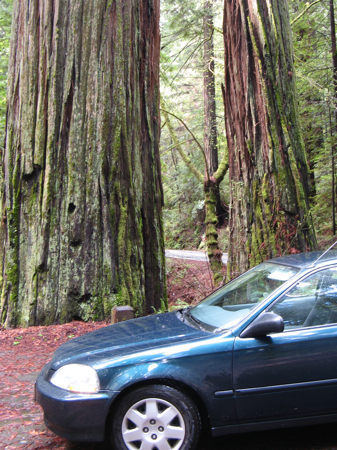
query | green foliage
(180,304)
(6,7)
(183,212)
(182,87)
(161,310)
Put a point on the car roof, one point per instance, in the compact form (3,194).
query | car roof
(302,260)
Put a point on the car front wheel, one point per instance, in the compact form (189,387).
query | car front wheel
(155,418)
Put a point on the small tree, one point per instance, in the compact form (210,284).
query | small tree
(210,120)
(211,182)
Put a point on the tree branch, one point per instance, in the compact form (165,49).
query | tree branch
(174,137)
(173,146)
(223,167)
(304,11)
(189,57)
(219,30)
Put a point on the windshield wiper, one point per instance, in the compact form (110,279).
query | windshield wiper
(187,312)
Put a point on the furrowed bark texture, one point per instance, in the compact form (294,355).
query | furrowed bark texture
(269,212)
(82,195)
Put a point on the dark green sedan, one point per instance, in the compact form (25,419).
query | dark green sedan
(259,353)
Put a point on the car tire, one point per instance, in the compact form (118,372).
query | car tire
(155,418)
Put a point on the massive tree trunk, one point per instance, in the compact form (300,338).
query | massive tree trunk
(82,195)
(269,212)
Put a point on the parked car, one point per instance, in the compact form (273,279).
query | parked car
(259,353)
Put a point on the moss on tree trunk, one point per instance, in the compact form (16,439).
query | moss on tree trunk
(269,212)
(82,194)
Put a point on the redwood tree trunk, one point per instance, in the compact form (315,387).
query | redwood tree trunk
(269,212)
(82,195)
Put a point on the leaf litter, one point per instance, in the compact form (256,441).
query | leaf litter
(23,353)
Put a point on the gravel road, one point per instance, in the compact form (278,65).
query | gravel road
(192,255)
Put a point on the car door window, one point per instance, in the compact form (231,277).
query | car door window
(312,302)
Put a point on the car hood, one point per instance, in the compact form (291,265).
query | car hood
(124,338)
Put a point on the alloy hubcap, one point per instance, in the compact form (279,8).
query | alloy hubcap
(153,424)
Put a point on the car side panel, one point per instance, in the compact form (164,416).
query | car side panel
(287,375)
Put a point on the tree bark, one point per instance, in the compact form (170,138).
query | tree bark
(82,196)
(269,212)
(210,126)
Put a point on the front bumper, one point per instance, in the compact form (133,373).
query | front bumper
(77,417)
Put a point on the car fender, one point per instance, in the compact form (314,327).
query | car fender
(199,375)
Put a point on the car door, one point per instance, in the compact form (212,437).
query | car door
(292,374)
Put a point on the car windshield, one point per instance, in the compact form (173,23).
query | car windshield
(226,307)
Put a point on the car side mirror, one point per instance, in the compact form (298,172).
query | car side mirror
(265,324)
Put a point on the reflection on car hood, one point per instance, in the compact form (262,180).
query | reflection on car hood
(124,338)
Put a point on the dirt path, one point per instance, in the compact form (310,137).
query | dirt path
(192,255)
(23,353)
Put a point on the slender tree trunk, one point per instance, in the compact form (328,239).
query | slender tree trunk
(210,129)
(333,149)
(210,126)
(269,212)
(212,194)
(82,195)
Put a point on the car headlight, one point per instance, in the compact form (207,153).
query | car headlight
(76,378)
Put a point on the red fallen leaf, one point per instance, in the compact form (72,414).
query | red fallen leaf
(13,436)
(36,433)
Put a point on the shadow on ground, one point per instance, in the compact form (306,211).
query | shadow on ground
(322,437)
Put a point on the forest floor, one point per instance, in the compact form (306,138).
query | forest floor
(23,352)
(188,282)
